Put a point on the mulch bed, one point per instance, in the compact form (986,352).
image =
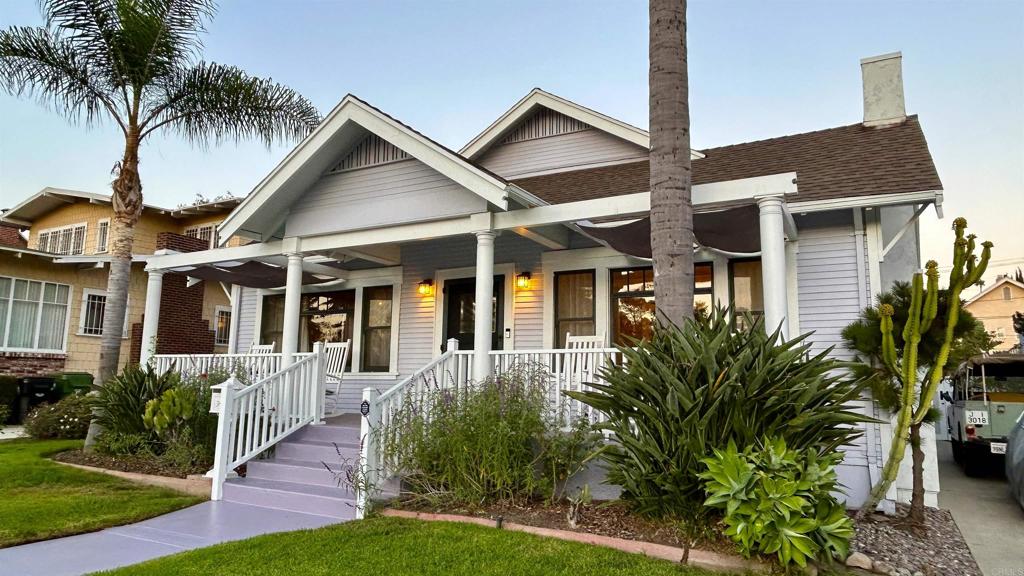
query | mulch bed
(140,464)
(937,550)
(611,518)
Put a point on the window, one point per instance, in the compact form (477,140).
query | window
(331,317)
(746,289)
(94,304)
(33,315)
(633,300)
(1006,293)
(376,329)
(222,326)
(207,232)
(66,240)
(102,235)
(574,304)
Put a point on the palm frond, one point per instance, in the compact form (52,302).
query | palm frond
(38,63)
(216,102)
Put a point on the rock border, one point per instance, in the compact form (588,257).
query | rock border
(194,485)
(699,558)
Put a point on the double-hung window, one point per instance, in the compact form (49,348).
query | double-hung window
(102,235)
(746,289)
(574,304)
(633,309)
(222,328)
(66,240)
(33,315)
(94,304)
(207,232)
(376,328)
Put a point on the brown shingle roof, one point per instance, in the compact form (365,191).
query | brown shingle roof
(836,163)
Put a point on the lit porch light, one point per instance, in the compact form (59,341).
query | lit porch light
(425,288)
(523,281)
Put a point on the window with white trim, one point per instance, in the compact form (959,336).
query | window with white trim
(222,326)
(94,304)
(65,240)
(206,232)
(102,235)
(33,315)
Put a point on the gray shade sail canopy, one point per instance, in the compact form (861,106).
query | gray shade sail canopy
(251,274)
(732,230)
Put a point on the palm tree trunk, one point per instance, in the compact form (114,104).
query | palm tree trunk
(916,514)
(671,207)
(127,201)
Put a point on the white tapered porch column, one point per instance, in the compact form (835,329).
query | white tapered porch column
(292,301)
(151,318)
(773,263)
(483,310)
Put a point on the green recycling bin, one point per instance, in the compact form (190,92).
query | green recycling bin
(71,382)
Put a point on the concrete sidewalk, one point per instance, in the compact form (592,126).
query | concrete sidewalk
(990,520)
(195,527)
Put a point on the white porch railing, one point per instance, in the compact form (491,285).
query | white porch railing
(564,369)
(247,367)
(253,418)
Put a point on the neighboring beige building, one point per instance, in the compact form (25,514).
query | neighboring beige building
(995,306)
(53,287)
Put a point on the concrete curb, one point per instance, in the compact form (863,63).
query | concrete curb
(699,558)
(194,485)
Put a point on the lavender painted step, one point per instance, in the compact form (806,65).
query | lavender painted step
(316,451)
(327,433)
(292,496)
(299,471)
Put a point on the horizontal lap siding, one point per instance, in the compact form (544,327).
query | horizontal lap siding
(394,193)
(561,151)
(827,281)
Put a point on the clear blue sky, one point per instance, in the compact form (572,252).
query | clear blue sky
(757,70)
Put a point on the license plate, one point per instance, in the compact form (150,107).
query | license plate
(977,417)
(998,447)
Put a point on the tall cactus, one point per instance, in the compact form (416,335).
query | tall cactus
(924,304)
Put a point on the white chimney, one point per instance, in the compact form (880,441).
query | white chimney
(883,89)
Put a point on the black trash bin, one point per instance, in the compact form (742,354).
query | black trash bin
(33,391)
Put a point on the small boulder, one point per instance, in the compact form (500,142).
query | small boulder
(883,567)
(859,560)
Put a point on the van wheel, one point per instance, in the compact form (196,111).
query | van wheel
(958,451)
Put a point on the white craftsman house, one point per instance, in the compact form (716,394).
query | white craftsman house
(369,232)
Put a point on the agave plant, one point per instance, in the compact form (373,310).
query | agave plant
(688,390)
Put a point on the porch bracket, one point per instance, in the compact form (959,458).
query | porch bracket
(913,219)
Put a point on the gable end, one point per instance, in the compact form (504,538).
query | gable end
(543,123)
(372,151)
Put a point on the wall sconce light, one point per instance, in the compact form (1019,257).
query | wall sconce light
(523,281)
(425,288)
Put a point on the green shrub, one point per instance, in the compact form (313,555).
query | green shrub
(124,443)
(494,441)
(685,392)
(67,419)
(779,501)
(121,402)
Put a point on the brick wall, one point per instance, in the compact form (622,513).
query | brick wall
(11,236)
(182,329)
(29,364)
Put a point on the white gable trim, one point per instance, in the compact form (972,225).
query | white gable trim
(998,283)
(351,109)
(537,97)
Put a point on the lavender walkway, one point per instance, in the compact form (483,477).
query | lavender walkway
(195,527)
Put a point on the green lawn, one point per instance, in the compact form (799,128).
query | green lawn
(397,547)
(40,499)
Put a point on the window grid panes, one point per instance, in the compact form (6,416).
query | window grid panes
(33,314)
(102,235)
(222,334)
(376,348)
(92,319)
(207,232)
(574,304)
(66,241)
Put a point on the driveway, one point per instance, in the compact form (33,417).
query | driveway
(990,520)
(194,527)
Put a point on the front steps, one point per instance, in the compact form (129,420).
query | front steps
(296,479)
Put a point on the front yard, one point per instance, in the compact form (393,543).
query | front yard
(398,547)
(42,500)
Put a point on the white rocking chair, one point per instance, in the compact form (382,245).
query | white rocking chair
(581,367)
(336,355)
(255,348)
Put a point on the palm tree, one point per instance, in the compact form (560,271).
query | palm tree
(671,207)
(136,63)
